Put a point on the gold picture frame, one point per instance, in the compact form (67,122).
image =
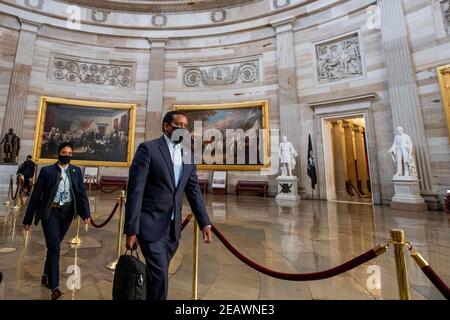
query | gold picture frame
(262,105)
(443,74)
(113,146)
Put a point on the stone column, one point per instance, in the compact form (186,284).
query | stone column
(350,153)
(155,89)
(287,93)
(340,167)
(361,163)
(20,78)
(405,103)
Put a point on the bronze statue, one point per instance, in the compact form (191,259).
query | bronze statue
(11,146)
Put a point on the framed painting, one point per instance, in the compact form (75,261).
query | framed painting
(232,136)
(443,75)
(102,133)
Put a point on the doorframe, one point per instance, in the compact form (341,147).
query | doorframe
(326,111)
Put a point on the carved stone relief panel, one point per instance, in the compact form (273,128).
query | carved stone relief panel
(339,59)
(99,16)
(446,11)
(219,15)
(220,74)
(36,4)
(159,20)
(89,71)
(278,4)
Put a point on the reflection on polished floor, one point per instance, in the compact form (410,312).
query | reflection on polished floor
(303,238)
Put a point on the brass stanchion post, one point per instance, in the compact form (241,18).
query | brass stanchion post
(17,203)
(112,265)
(398,240)
(195,262)
(7,203)
(89,197)
(76,241)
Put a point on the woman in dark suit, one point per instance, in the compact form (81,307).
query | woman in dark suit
(58,196)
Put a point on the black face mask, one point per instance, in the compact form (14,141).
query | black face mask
(64,159)
(180,132)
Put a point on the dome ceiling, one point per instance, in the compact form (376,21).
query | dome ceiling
(158,6)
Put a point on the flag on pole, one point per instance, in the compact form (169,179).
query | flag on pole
(311,164)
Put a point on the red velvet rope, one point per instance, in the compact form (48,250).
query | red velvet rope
(11,184)
(108,219)
(107,191)
(437,281)
(11,188)
(186,222)
(353,263)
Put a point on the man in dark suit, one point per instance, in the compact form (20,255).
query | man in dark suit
(157,182)
(58,196)
(27,170)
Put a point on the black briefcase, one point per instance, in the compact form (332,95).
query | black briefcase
(130,278)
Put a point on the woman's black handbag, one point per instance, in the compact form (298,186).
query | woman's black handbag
(130,278)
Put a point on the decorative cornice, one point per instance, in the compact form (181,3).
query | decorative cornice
(283,25)
(324,103)
(157,42)
(28,25)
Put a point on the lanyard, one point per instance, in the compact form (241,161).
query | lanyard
(64,195)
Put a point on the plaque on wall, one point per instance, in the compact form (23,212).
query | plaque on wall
(219,180)
(219,183)
(91,175)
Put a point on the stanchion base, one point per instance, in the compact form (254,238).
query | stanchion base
(111,265)
(75,241)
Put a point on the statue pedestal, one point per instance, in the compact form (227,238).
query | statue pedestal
(407,194)
(6,170)
(287,188)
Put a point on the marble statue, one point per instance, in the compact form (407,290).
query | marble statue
(11,146)
(402,154)
(287,157)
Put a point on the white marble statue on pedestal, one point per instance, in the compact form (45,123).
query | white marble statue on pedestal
(287,182)
(287,157)
(406,183)
(402,155)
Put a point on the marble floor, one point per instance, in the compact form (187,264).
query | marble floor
(302,238)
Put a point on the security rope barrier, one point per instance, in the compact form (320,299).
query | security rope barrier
(11,184)
(186,221)
(101,225)
(8,200)
(429,272)
(99,187)
(353,263)
(397,240)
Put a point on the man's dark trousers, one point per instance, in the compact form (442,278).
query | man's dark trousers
(158,255)
(55,228)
